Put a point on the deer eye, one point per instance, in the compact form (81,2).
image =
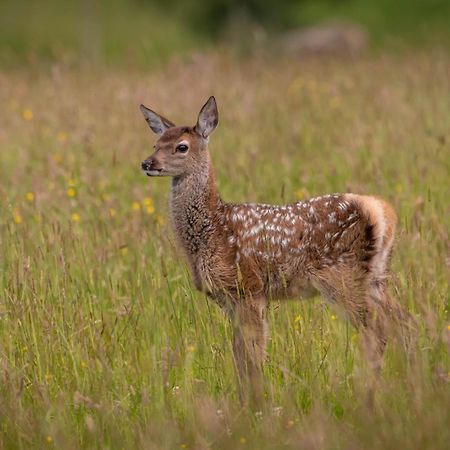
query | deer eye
(182,148)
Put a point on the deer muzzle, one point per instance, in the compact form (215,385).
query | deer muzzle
(151,168)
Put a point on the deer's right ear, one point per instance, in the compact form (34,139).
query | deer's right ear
(208,118)
(157,123)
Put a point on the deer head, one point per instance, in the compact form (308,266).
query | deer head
(179,150)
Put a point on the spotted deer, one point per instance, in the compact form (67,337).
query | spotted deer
(244,255)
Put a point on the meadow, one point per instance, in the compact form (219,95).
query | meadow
(104,342)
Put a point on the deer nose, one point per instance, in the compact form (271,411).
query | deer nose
(146,165)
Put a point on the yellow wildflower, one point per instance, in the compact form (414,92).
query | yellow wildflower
(335,102)
(191,348)
(57,157)
(183,446)
(150,209)
(297,319)
(242,440)
(75,217)
(27,114)
(148,201)
(61,137)
(296,85)
(29,196)
(301,193)
(136,206)
(71,192)
(333,317)
(49,439)
(18,218)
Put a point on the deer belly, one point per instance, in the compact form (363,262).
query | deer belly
(299,288)
(302,290)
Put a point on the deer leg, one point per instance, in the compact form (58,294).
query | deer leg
(249,343)
(379,316)
(368,314)
(363,306)
(373,326)
(397,320)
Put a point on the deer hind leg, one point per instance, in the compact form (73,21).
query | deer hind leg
(397,319)
(349,290)
(390,316)
(249,348)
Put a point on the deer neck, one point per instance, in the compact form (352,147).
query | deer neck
(195,204)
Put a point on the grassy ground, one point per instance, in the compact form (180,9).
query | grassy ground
(103,341)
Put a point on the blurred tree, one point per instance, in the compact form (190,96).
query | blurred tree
(90,34)
(213,17)
(148,31)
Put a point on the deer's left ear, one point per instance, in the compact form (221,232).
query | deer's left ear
(157,123)
(208,118)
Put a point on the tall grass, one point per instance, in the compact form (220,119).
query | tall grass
(104,343)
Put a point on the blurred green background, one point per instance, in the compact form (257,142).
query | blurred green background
(145,32)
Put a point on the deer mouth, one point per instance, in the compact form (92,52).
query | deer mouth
(150,170)
(153,172)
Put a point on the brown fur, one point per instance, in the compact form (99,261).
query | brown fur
(245,255)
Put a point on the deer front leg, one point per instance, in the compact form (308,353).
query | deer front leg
(249,347)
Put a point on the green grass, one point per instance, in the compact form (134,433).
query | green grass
(104,342)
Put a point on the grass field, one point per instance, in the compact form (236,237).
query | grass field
(104,342)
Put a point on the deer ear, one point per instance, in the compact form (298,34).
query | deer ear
(208,118)
(157,123)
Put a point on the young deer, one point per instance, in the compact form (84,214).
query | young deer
(244,255)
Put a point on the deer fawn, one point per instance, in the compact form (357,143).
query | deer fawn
(244,255)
